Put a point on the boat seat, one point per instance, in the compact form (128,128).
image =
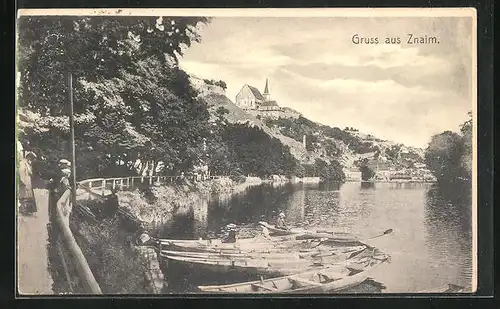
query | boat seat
(323,276)
(300,280)
(255,285)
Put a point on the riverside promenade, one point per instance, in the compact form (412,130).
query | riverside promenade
(33,274)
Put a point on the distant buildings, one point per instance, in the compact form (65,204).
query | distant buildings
(253,101)
(352,174)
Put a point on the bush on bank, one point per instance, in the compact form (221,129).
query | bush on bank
(117,268)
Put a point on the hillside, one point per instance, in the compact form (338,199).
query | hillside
(348,147)
(237,115)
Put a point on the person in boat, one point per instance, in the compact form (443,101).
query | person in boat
(231,235)
(265,232)
(280,222)
(145,239)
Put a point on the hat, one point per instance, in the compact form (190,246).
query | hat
(64,162)
(281,214)
(30,154)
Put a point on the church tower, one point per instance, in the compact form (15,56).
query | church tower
(266,93)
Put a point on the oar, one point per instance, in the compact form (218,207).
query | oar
(384,233)
(361,241)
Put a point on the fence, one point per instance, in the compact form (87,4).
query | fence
(104,186)
(62,213)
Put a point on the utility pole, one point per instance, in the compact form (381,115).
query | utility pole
(72,132)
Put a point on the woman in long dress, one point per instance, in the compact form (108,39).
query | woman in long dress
(26,198)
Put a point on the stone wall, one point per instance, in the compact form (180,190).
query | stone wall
(153,274)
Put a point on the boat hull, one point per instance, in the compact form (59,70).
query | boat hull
(338,278)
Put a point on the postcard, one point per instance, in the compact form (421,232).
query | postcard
(246,151)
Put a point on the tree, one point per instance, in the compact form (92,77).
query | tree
(366,172)
(329,172)
(125,70)
(466,130)
(443,156)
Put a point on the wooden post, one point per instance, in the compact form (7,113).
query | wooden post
(121,184)
(103,186)
(82,268)
(72,131)
(114,183)
(132,182)
(90,187)
(150,180)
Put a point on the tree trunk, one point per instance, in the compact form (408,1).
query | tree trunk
(143,166)
(152,168)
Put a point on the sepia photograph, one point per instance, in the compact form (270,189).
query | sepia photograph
(246,151)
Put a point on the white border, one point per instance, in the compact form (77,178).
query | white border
(252,12)
(317,12)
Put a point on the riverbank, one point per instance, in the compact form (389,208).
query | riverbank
(157,205)
(118,266)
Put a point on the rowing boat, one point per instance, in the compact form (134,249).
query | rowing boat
(288,255)
(305,234)
(219,242)
(272,265)
(327,236)
(253,244)
(333,278)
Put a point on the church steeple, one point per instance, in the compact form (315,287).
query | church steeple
(266,93)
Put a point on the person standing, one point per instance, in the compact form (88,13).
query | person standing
(64,183)
(26,197)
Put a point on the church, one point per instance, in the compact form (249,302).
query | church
(250,98)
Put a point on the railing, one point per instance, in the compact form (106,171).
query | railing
(103,185)
(83,270)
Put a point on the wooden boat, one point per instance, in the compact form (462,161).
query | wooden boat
(250,267)
(253,244)
(334,278)
(332,236)
(218,242)
(262,266)
(288,255)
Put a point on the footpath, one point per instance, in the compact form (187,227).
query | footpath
(33,274)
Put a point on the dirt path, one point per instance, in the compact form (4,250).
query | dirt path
(33,274)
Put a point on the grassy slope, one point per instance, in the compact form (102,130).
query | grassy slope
(237,115)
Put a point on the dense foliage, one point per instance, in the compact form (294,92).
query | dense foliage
(366,172)
(116,266)
(449,154)
(238,149)
(297,128)
(329,172)
(353,142)
(219,83)
(131,101)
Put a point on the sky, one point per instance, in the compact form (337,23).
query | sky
(400,92)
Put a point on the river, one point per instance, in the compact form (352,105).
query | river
(431,242)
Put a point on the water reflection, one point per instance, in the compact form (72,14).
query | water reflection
(449,231)
(367,185)
(430,245)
